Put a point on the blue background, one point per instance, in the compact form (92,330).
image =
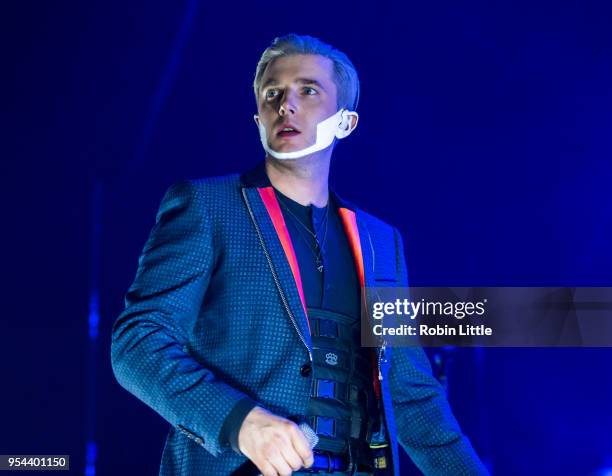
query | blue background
(484,136)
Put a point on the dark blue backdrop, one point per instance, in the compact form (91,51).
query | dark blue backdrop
(484,136)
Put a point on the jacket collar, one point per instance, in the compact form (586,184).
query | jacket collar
(257,178)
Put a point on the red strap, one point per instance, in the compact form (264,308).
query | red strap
(350,228)
(349,221)
(273,208)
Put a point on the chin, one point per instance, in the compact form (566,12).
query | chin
(287,147)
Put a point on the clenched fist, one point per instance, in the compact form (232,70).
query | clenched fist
(274,444)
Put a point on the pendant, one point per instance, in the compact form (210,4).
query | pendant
(320,268)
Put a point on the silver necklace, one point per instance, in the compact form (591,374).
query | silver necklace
(317,253)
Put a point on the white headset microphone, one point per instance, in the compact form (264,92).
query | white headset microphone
(336,126)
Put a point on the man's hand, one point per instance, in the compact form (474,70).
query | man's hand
(274,444)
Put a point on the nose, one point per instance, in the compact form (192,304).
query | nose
(287,104)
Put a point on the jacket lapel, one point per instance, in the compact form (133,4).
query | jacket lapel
(276,242)
(280,227)
(359,240)
(349,221)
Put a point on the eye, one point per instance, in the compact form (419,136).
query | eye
(310,91)
(271,93)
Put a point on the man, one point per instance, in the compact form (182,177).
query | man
(243,319)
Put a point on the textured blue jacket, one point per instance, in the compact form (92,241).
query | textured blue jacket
(214,317)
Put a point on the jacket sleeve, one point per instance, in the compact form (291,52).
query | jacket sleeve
(150,339)
(426,427)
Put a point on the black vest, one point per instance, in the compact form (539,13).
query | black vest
(343,409)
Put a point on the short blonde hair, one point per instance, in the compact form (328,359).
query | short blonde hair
(345,74)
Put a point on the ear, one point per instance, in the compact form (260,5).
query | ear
(256,118)
(348,124)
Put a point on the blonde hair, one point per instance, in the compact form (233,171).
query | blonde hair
(345,74)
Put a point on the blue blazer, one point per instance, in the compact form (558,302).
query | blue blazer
(215,316)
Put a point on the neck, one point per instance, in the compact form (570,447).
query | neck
(304,180)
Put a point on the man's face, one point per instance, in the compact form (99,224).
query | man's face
(296,92)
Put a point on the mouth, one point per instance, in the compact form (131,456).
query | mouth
(287,131)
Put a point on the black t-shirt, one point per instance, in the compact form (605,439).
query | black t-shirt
(337,287)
